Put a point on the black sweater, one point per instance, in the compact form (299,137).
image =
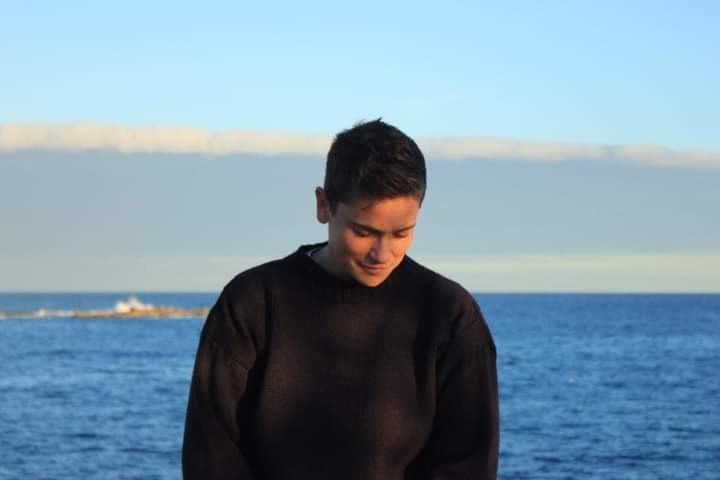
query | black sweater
(301,375)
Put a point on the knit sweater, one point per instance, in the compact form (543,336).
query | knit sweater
(302,375)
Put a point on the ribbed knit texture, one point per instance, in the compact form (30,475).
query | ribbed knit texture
(301,375)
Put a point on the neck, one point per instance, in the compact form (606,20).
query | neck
(321,256)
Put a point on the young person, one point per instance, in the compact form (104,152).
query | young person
(347,359)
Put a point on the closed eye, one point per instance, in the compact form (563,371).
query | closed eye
(364,231)
(361,232)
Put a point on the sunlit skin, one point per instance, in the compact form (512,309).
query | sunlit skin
(367,238)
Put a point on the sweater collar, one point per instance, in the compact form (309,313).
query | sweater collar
(343,288)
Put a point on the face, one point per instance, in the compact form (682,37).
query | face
(367,239)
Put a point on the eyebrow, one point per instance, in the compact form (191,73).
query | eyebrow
(375,231)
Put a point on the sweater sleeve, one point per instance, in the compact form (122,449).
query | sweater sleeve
(465,439)
(212,445)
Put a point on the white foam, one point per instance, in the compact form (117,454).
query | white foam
(44,313)
(37,314)
(132,304)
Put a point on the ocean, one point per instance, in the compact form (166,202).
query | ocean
(591,386)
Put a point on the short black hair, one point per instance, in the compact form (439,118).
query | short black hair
(373,160)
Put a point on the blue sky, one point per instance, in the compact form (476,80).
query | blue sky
(597,72)
(589,149)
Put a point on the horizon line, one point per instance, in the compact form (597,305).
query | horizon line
(473,292)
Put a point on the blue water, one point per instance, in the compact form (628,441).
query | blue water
(592,386)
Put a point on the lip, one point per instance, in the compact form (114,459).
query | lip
(373,268)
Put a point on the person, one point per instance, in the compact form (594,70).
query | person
(347,359)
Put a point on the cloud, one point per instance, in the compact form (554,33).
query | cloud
(583,273)
(681,273)
(669,264)
(165,140)
(188,140)
(494,149)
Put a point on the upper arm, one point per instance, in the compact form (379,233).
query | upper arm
(227,352)
(465,438)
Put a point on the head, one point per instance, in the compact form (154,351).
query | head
(374,186)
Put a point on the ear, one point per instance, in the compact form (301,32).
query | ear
(322,206)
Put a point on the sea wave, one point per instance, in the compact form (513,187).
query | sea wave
(131,304)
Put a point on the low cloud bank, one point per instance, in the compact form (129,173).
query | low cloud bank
(649,273)
(681,273)
(197,141)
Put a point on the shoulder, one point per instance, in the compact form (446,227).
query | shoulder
(236,322)
(268,276)
(447,299)
(254,281)
(247,292)
(252,289)
(436,287)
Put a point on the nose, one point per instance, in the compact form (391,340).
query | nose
(381,252)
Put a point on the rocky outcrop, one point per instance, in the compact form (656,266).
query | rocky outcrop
(151,312)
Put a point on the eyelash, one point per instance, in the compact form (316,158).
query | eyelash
(363,233)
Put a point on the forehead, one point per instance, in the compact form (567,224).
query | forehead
(363,202)
(384,213)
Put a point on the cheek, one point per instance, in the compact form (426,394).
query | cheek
(354,245)
(401,245)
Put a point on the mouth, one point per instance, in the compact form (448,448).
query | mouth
(374,269)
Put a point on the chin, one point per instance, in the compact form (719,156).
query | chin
(371,279)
